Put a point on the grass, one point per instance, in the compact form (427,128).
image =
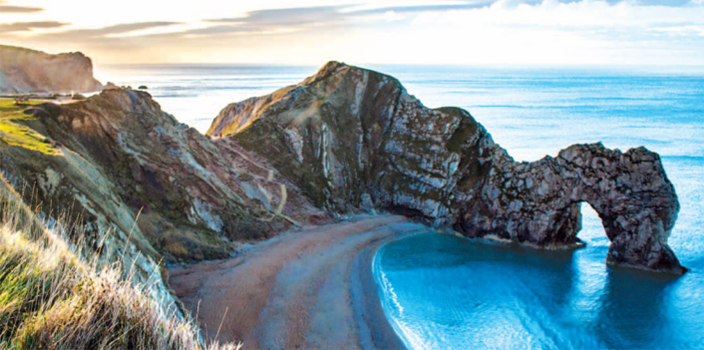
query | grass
(53,295)
(8,105)
(13,133)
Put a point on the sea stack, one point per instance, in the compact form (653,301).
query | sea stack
(29,71)
(349,136)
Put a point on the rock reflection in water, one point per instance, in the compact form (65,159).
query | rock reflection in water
(446,292)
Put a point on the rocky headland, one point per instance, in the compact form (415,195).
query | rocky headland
(29,71)
(353,139)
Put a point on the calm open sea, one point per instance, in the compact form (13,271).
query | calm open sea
(443,292)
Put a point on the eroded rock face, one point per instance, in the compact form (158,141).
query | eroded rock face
(348,136)
(538,203)
(23,71)
(137,187)
(121,153)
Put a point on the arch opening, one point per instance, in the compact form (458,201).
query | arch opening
(592,230)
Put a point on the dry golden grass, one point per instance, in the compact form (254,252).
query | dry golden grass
(53,296)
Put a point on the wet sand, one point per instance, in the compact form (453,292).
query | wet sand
(311,288)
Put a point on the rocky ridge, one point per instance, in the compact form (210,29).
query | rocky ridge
(353,139)
(29,71)
(137,186)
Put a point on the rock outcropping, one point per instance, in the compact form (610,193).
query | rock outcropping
(137,186)
(350,138)
(127,157)
(24,71)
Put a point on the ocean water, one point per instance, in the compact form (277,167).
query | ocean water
(442,292)
(195,94)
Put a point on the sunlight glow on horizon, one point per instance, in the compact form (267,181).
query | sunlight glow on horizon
(477,32)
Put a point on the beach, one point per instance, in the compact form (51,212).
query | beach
(311,288)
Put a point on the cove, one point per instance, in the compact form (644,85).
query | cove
(444,292)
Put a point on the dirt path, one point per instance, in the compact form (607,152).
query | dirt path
(306,289)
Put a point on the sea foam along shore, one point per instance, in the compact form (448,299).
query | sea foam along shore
(386,296)
(312,288)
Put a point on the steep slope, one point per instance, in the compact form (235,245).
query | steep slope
(138,187)
(24,70)
(352,138)
(119,150)
(58,295)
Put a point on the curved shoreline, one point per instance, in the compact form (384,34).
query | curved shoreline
(313,288)
(383,334)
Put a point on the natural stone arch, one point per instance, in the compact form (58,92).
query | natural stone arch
(629,191)
(347,133)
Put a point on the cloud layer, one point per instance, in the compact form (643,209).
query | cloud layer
(644,32)
(4,8)
(29,26)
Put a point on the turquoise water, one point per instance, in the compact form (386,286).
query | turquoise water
(444,292)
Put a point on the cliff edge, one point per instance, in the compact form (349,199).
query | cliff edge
(29,71)
(355,139)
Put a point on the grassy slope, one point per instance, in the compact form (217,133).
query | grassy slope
(53,294)
(13,133)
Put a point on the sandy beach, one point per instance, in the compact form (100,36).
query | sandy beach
(311,288)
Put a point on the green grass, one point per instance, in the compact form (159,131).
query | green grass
(13,133)
(53,295)
(8,105)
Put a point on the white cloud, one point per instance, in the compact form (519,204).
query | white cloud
(583,14)
(401,31)
(552,32)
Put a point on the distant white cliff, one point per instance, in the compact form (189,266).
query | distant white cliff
(29,71)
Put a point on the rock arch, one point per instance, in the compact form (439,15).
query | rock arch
(351,139)
(629,191)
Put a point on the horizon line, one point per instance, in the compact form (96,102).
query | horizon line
(651,68)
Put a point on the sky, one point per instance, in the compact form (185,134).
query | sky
(311,32)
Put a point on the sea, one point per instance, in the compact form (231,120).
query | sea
(443,292)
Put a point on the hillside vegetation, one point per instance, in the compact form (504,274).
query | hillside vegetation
(13,133)
(59,295)
(107,191)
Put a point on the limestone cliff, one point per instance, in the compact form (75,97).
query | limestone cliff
(119,150)
(352,138)
(23,71)
(139,187)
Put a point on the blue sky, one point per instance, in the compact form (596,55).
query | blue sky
(474,32)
